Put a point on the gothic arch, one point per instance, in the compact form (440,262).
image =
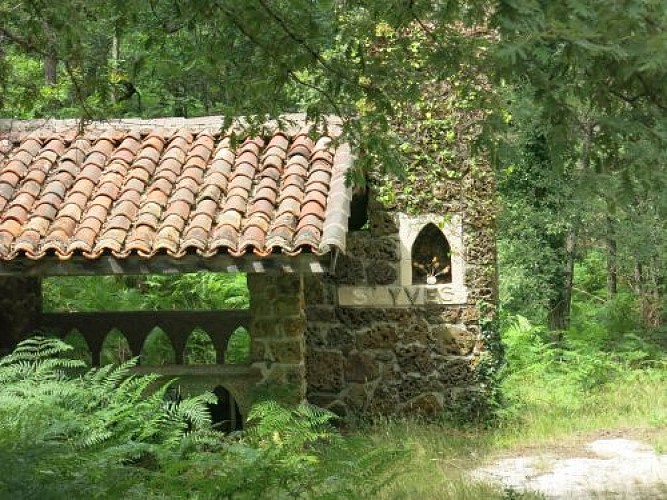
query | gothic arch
(199,348)
(431,257)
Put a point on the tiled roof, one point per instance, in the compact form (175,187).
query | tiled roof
(168,187)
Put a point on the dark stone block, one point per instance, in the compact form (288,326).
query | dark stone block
(453,339)
(413,385)
(414,358)
(324,370)
(263,327)
(258,350)
(425,405)
(321,399)
(443,314)
(341,338)
(316,335)
(455,372)
(339,408)
(360,367)
(381,273)
(379,336)
(374,248)
(293,327)
(287,351)
(380,222)
(321,313)
(313,290)
(383,401)
(469,314)
(359,318)
(349,271)
(357,397)
(416,331)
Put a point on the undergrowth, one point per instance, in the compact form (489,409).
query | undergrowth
(112,434)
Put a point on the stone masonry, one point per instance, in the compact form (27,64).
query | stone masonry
(277,334)
(377,344)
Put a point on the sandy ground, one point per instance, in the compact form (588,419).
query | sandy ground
(600,469)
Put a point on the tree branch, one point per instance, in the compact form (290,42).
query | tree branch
(22,42)
(290,72)
(315,54)
(79,94)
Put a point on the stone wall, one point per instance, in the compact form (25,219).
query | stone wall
(277,330)
(377,345)
(20,309)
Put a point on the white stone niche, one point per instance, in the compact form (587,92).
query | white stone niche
(404,292)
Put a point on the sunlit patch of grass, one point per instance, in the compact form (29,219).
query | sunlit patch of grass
(440,461)
(635,401)
(548,418)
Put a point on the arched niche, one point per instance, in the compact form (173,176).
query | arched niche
(199,348)
(225,414)
(238,347)
(115,348)
(431,257)
(81,350)
(157,349)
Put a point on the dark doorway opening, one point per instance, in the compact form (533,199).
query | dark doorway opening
(225,414)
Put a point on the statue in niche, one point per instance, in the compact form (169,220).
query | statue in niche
(431,257)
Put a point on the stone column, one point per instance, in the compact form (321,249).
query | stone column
(20,310)
(277,332)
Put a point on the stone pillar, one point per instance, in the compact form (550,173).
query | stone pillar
(277,332)
(20,309)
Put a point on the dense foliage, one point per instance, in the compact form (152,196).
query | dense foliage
(565,99)
(109,434)
(197,291)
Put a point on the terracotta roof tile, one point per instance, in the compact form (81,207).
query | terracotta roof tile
(137,189)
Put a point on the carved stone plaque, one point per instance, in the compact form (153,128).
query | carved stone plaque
(401,296)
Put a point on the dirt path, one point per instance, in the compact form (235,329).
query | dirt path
(600,469)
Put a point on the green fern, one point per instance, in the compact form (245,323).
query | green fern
(111,433)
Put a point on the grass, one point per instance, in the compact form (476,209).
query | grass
(547,416)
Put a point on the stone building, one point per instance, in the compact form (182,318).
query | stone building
(355,307)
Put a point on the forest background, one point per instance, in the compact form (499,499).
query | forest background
(567,100)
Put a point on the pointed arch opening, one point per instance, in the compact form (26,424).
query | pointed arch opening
(238,347)
(157,349)
(115,348)
(81,350)
(225,414)
(199,348)
(431,257)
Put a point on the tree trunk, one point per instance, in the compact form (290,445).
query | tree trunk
(561,305)
(612,268)
(50,70)
(2,61)
(115,58)
(51,57)
(647,287)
